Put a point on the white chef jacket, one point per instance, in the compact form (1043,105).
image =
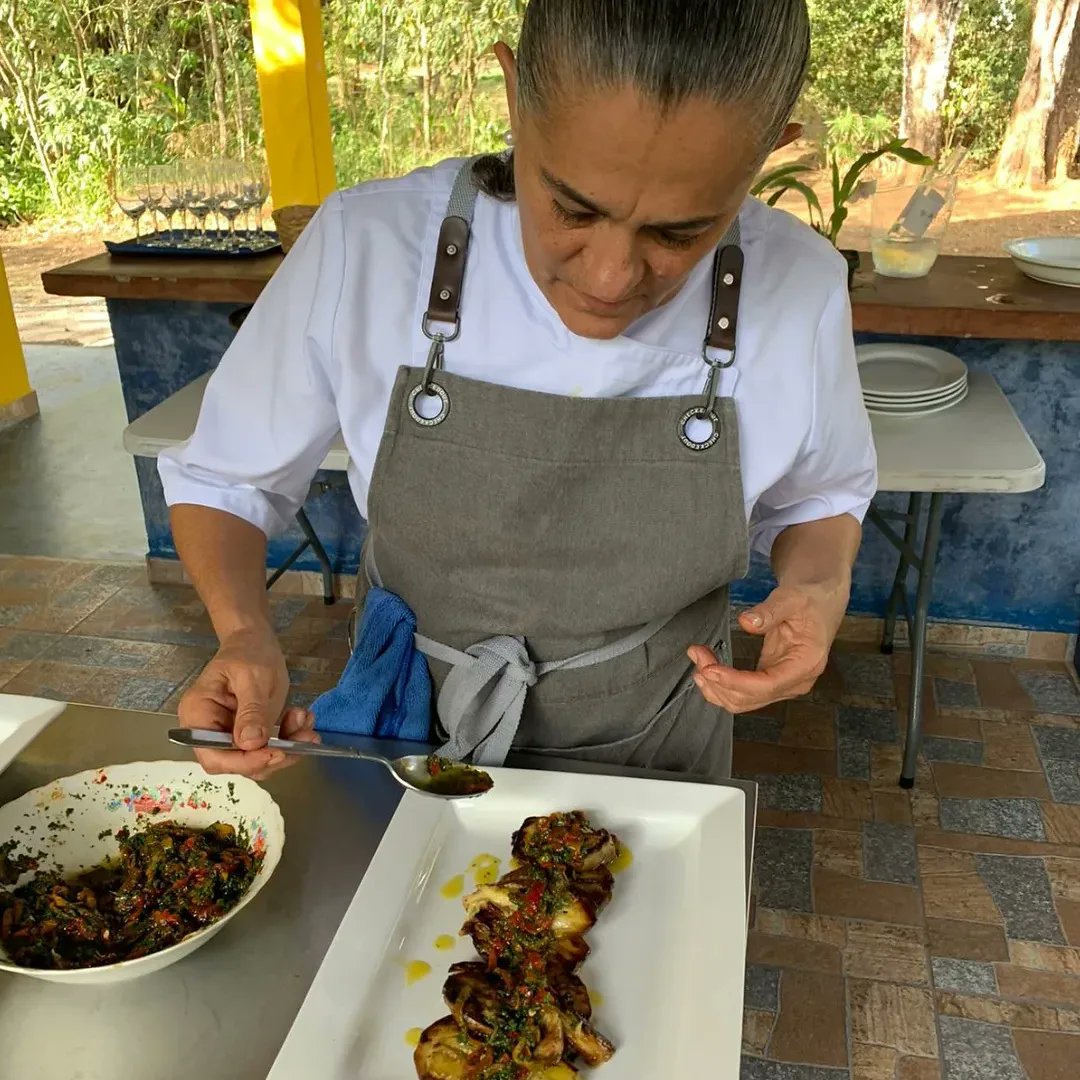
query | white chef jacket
(320,350)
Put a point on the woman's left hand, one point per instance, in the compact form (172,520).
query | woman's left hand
(798,624)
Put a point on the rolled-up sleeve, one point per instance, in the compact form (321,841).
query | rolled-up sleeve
(835,471)
(269,416)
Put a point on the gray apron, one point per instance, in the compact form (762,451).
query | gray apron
(561,553)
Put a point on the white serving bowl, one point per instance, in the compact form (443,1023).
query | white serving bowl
(1052,259)
(72,821)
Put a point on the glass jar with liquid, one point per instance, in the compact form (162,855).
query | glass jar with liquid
(907,226)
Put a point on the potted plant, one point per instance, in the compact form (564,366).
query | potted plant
(778,182)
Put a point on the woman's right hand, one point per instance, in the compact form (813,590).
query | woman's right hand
(243,690)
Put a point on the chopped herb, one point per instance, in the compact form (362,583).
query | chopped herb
(167,882)
(453,778)
(12,866)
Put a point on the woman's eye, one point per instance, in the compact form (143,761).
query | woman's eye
(571,217)
(679,241)
(676,241)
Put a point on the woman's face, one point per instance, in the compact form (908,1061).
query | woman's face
(619,201)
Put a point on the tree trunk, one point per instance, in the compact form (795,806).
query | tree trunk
(384,124)
(1040,144)
(341,63)
(22,78)
(218,70)
(77,41)
(238,96)
(929,33)
(470,62)
(425,86)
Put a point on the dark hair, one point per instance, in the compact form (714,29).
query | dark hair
(747,52)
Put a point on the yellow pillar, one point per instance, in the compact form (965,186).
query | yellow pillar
(17,400)
(287,35)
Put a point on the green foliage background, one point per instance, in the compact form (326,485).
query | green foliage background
(85,84)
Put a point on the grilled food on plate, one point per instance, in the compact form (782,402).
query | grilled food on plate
(521,1011)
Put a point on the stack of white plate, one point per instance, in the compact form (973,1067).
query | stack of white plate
(910,380)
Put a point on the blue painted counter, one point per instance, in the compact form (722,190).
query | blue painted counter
(1006,559)
(161,346)
(1013,560)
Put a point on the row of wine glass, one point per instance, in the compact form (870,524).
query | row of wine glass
(203,193)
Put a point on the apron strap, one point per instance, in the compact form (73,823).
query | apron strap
(448,277)
(700,427)
(727,281)
(482,698)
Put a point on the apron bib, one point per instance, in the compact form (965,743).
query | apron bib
(561,553)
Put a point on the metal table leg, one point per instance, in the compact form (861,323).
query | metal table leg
(320,553)
(276,576)
(918,639)
(922,560)
(311,540)
(899,587)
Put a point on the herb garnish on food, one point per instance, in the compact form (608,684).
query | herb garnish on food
(168,881)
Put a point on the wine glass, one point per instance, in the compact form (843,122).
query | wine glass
(229,187)
(255,191)
(197,199)
(154,188)
(128,183)
(163,195)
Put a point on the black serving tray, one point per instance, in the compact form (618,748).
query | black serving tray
(181,242)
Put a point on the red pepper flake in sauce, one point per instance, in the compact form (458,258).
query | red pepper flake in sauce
(167,882)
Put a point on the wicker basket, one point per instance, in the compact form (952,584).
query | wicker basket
(290,222)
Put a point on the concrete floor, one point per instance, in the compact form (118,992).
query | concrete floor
(67,486)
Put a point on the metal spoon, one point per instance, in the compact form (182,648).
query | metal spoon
(452,781)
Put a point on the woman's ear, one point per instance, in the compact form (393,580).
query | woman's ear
(508,63)
(789,135)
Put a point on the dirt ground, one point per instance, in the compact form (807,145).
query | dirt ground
(983,218)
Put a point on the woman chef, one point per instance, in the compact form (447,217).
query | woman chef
(576,385)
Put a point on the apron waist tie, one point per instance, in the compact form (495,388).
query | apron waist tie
(483,695)
(482,698)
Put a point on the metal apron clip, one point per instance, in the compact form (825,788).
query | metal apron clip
(427,387)
(447,285)
(706,410)
(727,276)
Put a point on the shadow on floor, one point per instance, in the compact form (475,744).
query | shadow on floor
(67,486)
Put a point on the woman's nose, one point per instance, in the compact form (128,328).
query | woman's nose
(612,268)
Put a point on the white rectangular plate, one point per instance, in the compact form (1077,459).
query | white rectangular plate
(668,952)
(21,719)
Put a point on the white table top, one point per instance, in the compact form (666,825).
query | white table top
(173,422)
(976,446)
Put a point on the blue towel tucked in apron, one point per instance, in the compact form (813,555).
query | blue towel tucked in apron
(385,689)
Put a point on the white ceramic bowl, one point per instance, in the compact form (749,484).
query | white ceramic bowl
(72,820)
(1053,259)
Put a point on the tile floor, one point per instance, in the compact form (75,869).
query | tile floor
(897,936)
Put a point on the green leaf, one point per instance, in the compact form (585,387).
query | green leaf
(836,223)
(896,148)
(857,169)
(811,198)
(775,176)
(807,192)
(912,156)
